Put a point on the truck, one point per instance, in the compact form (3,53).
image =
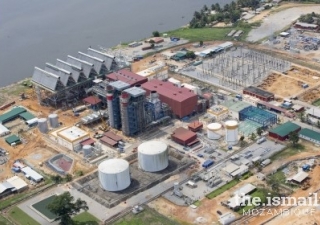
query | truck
(207,163)
(261,140)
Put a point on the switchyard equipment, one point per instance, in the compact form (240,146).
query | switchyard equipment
(241,67)
(133,111)
(153,156)
(231,127)
(114,90)
(114,174)
(65,83)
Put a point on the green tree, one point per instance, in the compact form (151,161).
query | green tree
(200,43)
(259,131)
(56,179)
(68,177)
(217,7)
(156,33)
(253,136)
(213,7)
(190,55)
(294,138)
(64,207)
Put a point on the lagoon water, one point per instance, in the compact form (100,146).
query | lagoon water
(33,32)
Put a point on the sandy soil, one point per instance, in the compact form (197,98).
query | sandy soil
(290,84)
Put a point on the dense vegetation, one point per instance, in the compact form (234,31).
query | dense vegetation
(310,18)
(229,13)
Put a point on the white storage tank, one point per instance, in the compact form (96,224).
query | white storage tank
(87,150)
(213,131)
(153,156)
(53,120)
(231,132)
(43,125)
(114,174)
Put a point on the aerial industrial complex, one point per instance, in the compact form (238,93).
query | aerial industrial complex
(132,130)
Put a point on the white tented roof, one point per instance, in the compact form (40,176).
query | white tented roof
(3,130)
(31,173)
(245,189)
(242,169)
(231,167)
(299,177)
(5,186)
(17,183)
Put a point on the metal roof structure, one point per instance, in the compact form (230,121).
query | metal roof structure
(72,133)
(299,177)
(46,79)
(27,116)
(3,130)
(135,91)
(98,63)
(4,186)
(284,129)
(258,115)
(183,134)
(113,166)
(92,100)
(310,135)
(12,114)
(236,106)
(258,91)
(35,176)
(245,189)
(12,139)
(87,67)
(108,59)
(230,168)
(65,76)
(119,85)
(127,77)
(113,136)
(76,71)
(17,182)
(108,141)
(314,111)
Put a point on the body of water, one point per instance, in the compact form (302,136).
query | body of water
(33,32)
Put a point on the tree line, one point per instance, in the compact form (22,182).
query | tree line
(310,18)
(229,13)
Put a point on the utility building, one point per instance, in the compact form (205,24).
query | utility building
(258,93)
(128,77)
(282,131)
(258,115)
(182,101)
(114,90)
(132,111)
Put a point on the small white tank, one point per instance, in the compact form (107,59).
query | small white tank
(43,125)
(87,150)
(213,131)
(53,120)
(231,132)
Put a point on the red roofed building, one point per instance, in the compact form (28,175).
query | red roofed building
(128,77)
(182,101)
(184,137)
(195,126)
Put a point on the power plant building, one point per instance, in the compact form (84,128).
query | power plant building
(128,77)
(182,101)
(114,90)
(70,137)
(259,93)
(133,110)
(184,137)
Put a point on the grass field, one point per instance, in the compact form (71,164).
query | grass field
(4,221)
(222,189)
(20,217)
(147,217)
(289,151)
(316,102)
(85,218)
(207,34)
(42,207)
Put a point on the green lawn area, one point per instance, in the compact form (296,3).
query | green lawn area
(222,189)
(85,218)
(147,217)
(197,203)
(207,34)
(21,217)
(279,176)
(289,151)
(4,221)
(259,193)
(316,102)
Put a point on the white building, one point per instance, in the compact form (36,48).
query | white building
(31,174)
(3,130)
(242,170)
(230,168)
(227,218)
(218,112)
(193,88)
(17,183)
(314,112)
(159,72)
(70,137)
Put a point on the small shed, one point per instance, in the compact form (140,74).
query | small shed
(32,174)
(13,140)
(299,177)
(195,126)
